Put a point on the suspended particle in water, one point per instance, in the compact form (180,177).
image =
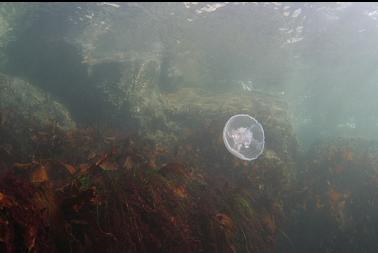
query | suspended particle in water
(244,137)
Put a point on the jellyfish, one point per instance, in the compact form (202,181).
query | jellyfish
(244,137)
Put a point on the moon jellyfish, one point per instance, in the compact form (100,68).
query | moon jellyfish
(244,137)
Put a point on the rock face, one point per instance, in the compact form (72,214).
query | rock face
(26,102)
(176,118)
(26,110)
(166,116)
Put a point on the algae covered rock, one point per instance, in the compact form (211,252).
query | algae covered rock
(26,113)
(247,198)
(22,101)
(165,117)
(190,119)
(332,202)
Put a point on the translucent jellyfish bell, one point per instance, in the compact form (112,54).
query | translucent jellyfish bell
(244,137)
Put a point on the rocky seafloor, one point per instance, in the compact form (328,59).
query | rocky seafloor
(99,154)
(169,185)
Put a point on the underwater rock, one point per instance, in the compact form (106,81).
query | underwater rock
(30,121)
(333,197)
(199,111)
(177,118)
(22,101)
(167,118)
(28,116)
(187,124)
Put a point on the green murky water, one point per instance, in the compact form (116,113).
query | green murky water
(306,71)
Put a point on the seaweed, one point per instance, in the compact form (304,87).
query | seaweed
(109,193)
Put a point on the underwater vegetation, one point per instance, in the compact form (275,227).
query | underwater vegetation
(114,120)
(334,198)
(66,187)
(102,193)
(172,188)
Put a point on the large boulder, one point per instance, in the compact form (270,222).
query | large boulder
(26,102)
(25,112)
